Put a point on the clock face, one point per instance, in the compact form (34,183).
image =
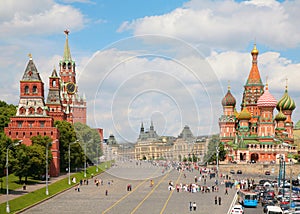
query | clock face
(71,87)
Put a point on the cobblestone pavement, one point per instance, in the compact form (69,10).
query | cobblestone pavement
(141,199)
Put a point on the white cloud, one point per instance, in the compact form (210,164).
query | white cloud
(226,25)
(22,18)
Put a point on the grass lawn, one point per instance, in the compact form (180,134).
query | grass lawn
(13,183)
(32,198)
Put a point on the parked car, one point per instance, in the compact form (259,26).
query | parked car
(232,171)
(239,172)
(267,173)
(237,209)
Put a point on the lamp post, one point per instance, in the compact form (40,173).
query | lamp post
(7,190)
(47,145)
(69,169)
(85,160)
(217,149)
(97,158)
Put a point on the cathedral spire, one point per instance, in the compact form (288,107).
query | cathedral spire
(67,52)
(254,75)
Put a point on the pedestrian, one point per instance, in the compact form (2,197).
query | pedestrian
(194,206)
(191,206)
(226,191)
(106,192)
(78,188)
(220,200)
(216,200)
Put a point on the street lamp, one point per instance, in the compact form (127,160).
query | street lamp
(85,156)
(47,144)
(9,146)
(69,169)
(217,149)
(97,158)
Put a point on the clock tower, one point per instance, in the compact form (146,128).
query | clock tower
(73,105)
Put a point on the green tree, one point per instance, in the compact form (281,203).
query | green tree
(4,143)
(67,137)
(6,112)
(213,143)
(89,140)
(22,166)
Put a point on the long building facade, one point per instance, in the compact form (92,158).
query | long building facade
(151,146)
(36,115)
(256,133)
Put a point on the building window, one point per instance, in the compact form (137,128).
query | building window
(20,123)
(30,124)
(31,110)
(42,124)
(40,110)
(22,111)
(54,83)
(34,89)
(26,89)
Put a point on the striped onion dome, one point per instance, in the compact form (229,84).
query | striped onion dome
(244,115)
(280,116)
(267,99)
(286,102)
(229,99)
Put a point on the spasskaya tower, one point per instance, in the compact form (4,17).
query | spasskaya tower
(73,105)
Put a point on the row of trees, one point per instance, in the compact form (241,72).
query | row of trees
(29,161)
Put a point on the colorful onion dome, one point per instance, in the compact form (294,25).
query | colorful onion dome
(244,115)
(267,99)
(280,116)
(286,102)
(229,99)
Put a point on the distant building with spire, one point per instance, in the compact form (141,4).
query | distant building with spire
(255,134)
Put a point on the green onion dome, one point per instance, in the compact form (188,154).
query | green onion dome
(244,115)
(286,102)
(280,116)
(229,99)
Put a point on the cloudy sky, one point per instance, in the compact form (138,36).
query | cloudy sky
(166,61)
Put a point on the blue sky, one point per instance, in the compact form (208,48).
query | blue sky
(166,61)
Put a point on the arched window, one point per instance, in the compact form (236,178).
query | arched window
(54,83)
(26,89)
(69,65)
(40,110)
(34,89)
(31,110)
(64,65)
(22,111)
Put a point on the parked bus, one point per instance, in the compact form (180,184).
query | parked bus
(247,198)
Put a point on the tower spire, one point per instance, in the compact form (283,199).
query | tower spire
(254,75)
(67,52)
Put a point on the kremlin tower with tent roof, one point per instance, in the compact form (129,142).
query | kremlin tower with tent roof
(255,134)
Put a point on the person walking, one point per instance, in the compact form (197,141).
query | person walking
(216,200)
(220,200)
(191,206)
(226,191)
(194,206)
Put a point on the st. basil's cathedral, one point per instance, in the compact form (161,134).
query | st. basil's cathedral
(36,115)
(255,134)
